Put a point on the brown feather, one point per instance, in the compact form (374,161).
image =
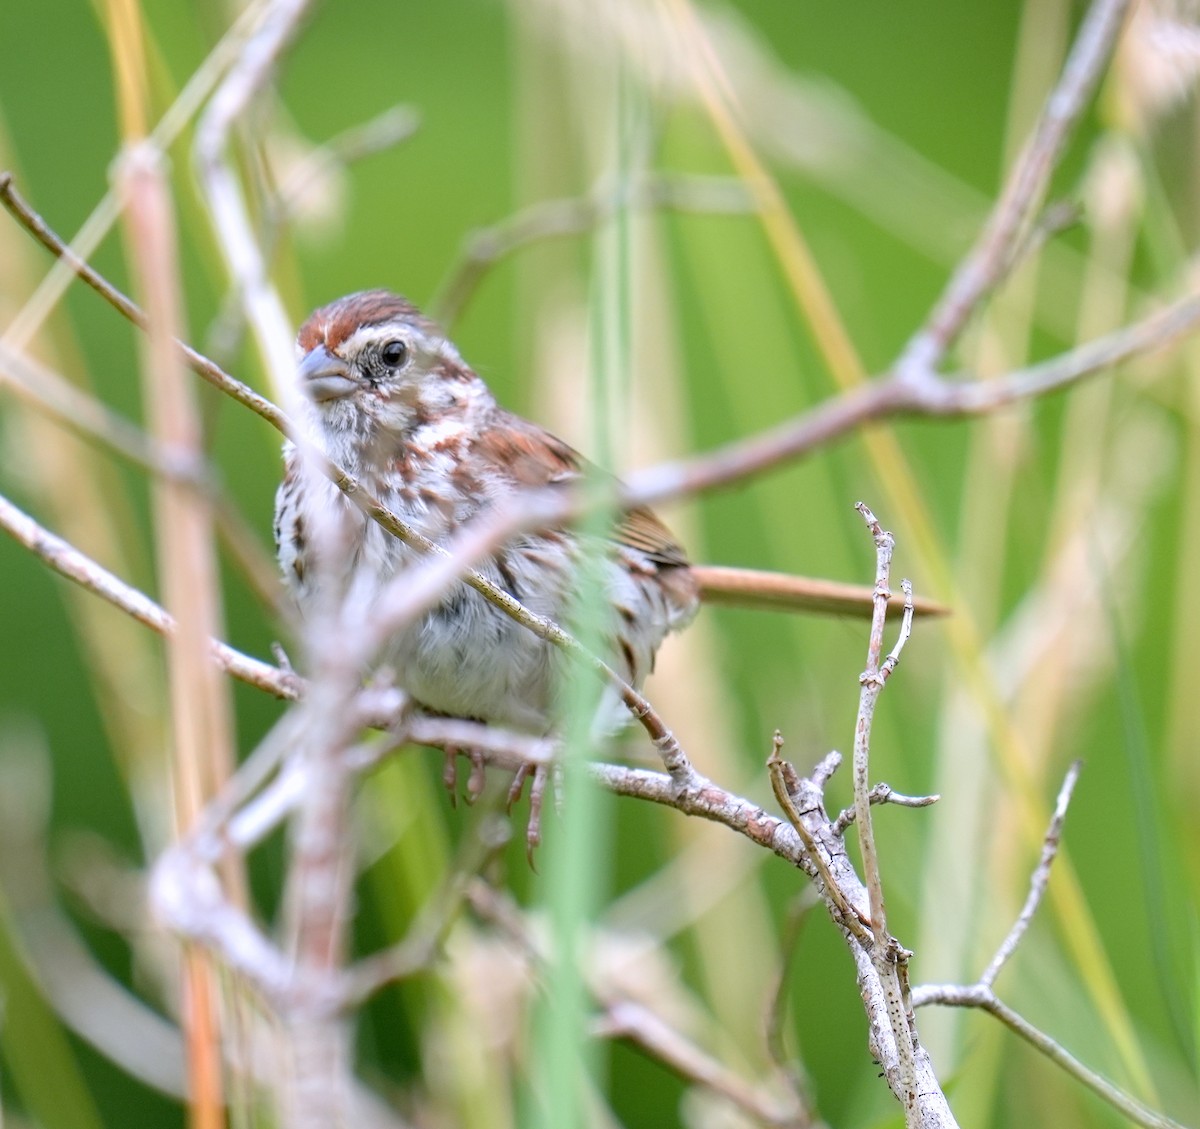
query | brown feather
(331,325)
(533,457)
(641,529)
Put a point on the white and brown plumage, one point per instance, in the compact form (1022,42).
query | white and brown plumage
(395,405)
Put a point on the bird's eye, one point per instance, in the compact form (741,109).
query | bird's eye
(394,354)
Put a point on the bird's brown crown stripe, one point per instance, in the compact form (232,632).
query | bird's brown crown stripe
(333,324)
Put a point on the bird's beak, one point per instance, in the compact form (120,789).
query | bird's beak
(324,376)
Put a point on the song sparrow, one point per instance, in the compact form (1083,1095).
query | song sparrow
(395,405)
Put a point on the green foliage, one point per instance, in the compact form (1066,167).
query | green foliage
(1069,528)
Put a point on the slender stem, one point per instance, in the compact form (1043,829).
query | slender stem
(982,997)
(987,261)
(76,566)
(1039,880)
(200,715)
(885,953)
(871,683)
(778,771)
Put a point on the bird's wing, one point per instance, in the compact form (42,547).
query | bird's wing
(532,457)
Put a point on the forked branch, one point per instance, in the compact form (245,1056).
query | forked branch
(982,995)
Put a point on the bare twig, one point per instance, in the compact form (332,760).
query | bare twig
(1039,880)
(883,794)
(984,266)
(893,659)
(624,1018)
(88,417)
(886,955)
(981,995)
(872,680)
(68,561)
(637,1024)
(923,1100)
(783,783)
(29,219)
(889,396)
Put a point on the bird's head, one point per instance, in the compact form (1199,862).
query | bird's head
(372,362)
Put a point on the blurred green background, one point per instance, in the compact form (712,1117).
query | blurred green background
(1065,532)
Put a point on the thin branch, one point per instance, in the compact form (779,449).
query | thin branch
(982,997)
(19,208)
(416,953)
(890,396)
(922,1098)
(68,561)
(906,622)
(708,801)
(883,794)
(978,397)
(1039,880)
(1122,1102)
(780,771)
(985,265)
(91,419)
(636,1024)
(886,954)
(787,441)
(625,1018)
(871,682)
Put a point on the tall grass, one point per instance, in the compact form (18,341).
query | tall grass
(1064,532)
